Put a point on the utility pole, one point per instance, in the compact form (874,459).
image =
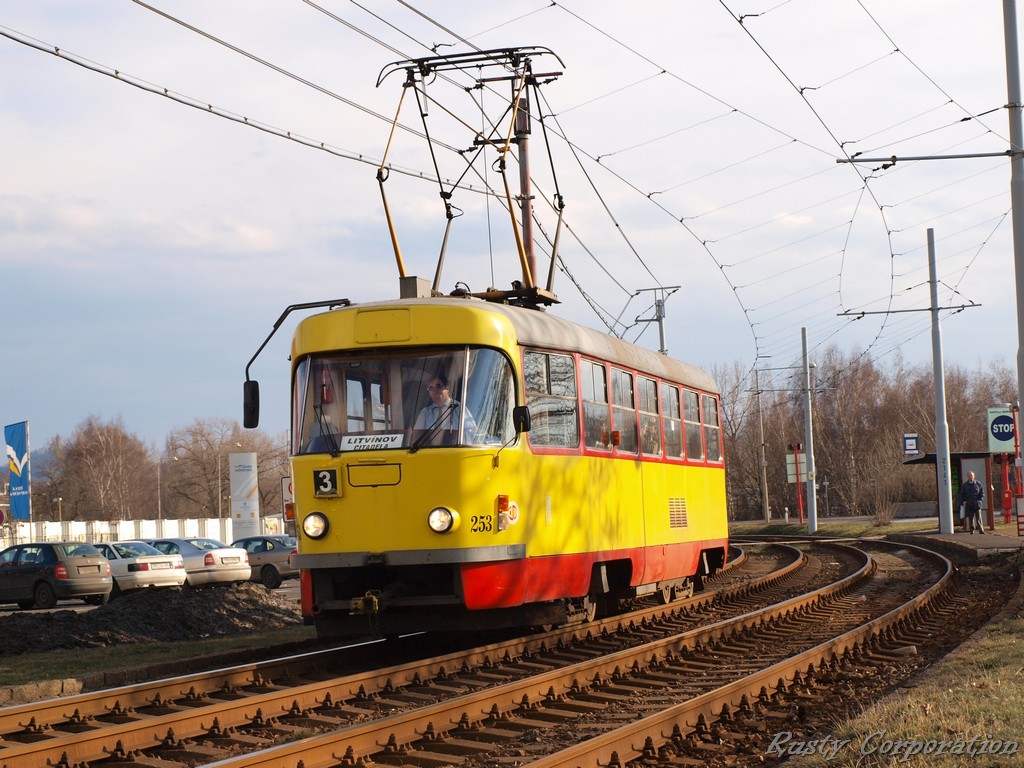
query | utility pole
(943,474)
(812,493)
(765,508)
(1013,110)
(220,486)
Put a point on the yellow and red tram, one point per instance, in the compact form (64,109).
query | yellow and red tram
(472,461)
(569,470)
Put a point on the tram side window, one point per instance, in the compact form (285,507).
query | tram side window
(490,396)
(354,405)
(650,424)
(363,406)
(623,410)
(672,420)
(594,385)
(691,417)
(551,396)
(712,428)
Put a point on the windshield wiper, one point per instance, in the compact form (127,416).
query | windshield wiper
(325,430)
(430,431)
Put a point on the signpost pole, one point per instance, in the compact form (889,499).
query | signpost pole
(1007,493)
(1002,437)
(799,495)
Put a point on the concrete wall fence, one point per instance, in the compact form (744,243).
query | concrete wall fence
(94,531)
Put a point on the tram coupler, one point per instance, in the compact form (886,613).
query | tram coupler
(368,603)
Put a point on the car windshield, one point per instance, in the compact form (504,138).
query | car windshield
(135,549)
(77,550)
(406,399)
(206,544)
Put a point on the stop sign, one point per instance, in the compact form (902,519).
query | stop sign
(1000,430)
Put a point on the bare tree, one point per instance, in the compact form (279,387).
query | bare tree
(198,482)
(861,411)
(102,473)
(742,443)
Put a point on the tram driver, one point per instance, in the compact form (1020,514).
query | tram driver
(442,414)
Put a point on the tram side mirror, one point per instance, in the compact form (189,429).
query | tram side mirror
(251,404)
(521,418)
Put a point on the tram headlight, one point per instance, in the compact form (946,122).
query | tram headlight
(314,525)
(443,520)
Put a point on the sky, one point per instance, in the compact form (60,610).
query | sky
(183,171)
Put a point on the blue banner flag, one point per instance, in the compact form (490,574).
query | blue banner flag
(16,437)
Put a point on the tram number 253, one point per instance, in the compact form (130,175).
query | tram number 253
(481,523)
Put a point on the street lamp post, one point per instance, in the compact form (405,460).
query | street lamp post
(220,480)
(220,488)
(60,511)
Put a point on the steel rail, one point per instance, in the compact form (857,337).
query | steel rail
(360,741)
(634,741)
(43,715)
(147,732)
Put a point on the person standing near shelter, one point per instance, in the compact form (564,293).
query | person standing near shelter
(972,495)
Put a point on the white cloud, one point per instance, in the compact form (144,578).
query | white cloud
(143,237)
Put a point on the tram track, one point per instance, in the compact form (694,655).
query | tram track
(503,687)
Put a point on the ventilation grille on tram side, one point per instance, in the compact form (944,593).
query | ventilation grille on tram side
(677,513)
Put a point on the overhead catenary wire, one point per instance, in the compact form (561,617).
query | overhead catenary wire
(712,243)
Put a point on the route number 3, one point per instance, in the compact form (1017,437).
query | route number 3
(325,482)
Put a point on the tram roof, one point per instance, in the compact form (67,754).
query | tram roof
(541,329)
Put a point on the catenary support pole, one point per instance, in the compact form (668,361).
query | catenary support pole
(766,510)
(812,491)
(943,477)
(1016,185)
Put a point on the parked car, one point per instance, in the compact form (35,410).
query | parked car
(136,564)
(40,574)
(270,558)
(207,561)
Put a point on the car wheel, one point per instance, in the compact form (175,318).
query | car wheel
(115,591)
(45,596)
(270,577)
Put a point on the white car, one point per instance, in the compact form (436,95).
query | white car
(207,561)
(136,564)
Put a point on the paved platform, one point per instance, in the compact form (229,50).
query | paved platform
(975,546)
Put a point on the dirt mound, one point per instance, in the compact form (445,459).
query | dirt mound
(151,616)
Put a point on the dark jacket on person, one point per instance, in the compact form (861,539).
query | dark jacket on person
(972,494)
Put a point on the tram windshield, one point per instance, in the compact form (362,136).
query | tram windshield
(402,399)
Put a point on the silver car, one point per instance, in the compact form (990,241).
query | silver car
(270,558)
(136,564)
(207,561)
